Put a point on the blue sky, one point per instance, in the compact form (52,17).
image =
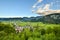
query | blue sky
(17,8)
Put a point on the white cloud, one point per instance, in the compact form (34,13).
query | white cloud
(47,7)
(33,11)
(40,1)
(35,5)
(42,9)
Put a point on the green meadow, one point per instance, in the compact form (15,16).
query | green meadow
(40,31)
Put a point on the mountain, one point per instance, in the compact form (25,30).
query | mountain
(20,18)
(52,18)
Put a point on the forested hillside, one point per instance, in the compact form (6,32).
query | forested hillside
(52,18)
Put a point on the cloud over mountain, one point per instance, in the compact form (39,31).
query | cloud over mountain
(46,8)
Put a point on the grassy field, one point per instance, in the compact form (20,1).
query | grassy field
(40,31)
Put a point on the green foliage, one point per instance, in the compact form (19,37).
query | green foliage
(50,36)
(40,31)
